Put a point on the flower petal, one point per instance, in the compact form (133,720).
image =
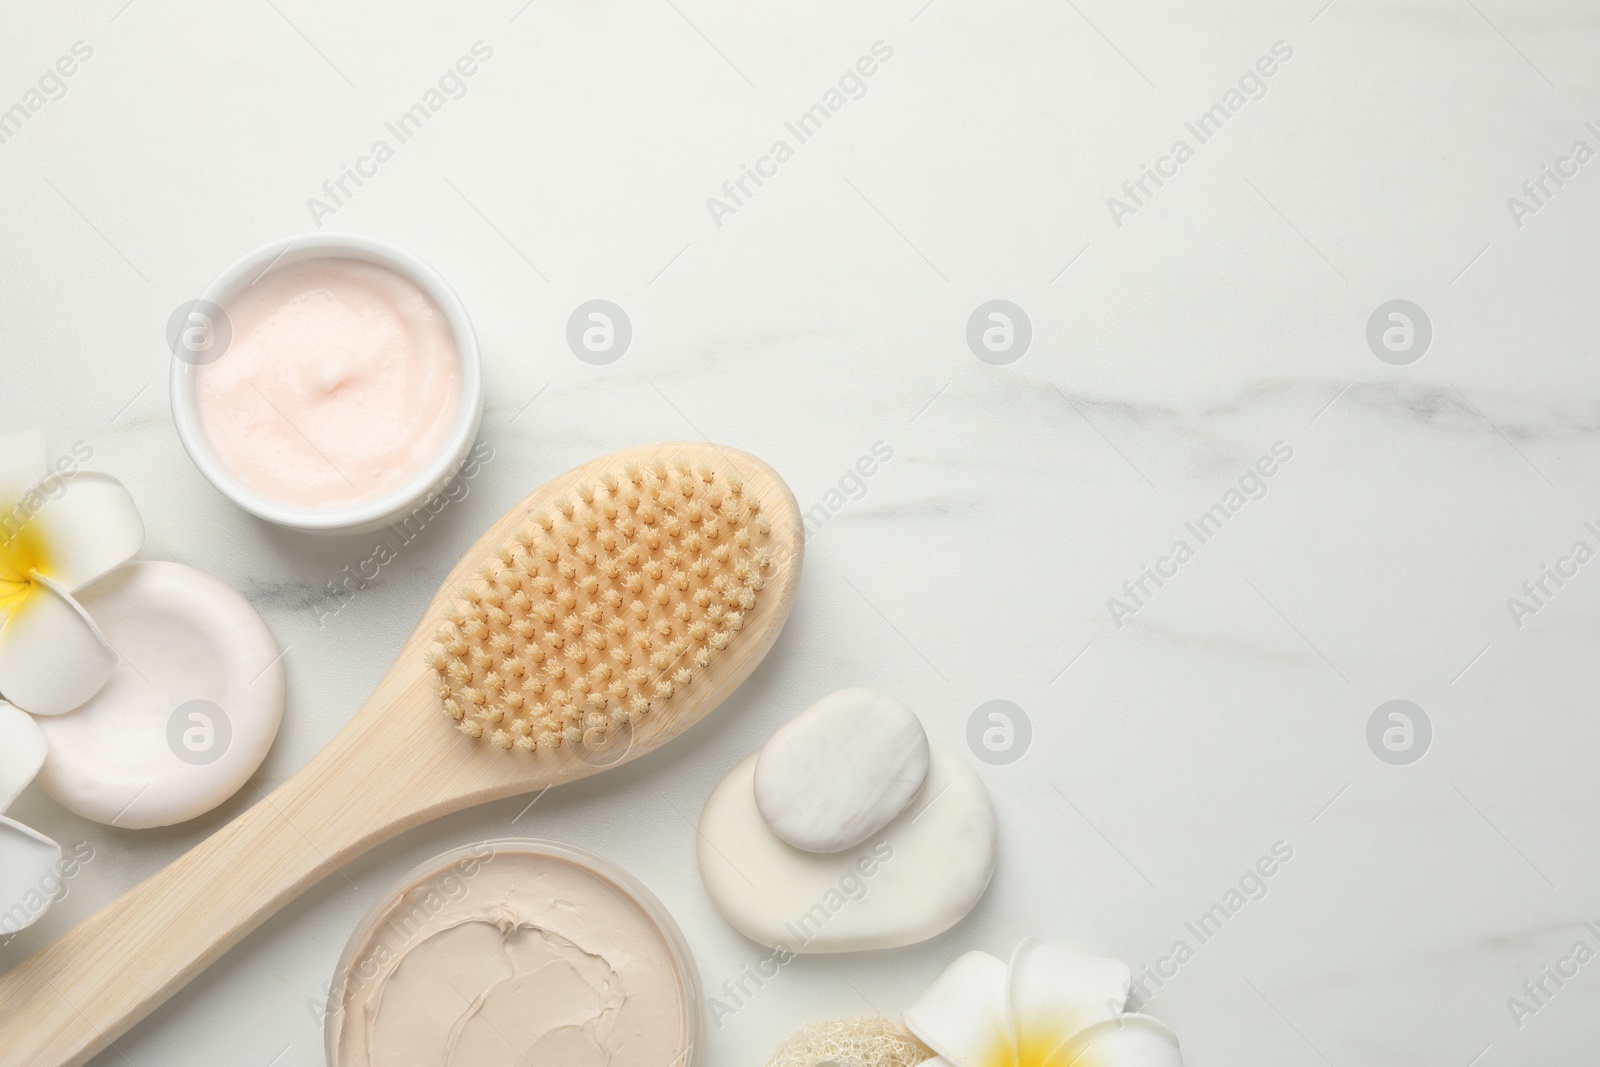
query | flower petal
(1126,1041)
(89,527)
(963,1016)
(1056,993)
(23,457)
(52,656)
(30,864)
(22,751)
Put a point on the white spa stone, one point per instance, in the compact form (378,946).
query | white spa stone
(913,879)
(835,774)
(22,749)
(30,865)
(189,712)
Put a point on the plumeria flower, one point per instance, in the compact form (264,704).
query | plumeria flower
(29,861)
(1050,1008)
(59,530)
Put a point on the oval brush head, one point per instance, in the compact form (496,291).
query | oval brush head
(602,608)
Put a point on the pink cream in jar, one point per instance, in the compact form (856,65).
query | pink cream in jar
(340,384)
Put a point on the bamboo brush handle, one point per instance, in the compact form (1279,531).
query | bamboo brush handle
(78,994)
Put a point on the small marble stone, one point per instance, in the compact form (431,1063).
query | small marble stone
(913,879)
(838,772)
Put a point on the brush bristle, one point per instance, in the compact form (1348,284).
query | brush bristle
(602,609)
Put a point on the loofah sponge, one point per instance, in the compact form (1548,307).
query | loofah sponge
(856,1041)
(603,608)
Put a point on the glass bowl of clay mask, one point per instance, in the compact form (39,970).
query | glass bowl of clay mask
(328,382)
(514,952)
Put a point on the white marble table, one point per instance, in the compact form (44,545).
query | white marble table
(1176,339)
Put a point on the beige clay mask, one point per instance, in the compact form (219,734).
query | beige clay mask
(508,954)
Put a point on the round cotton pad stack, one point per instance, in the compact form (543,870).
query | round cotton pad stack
(189,712)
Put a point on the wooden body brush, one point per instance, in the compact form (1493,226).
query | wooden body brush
(599,618)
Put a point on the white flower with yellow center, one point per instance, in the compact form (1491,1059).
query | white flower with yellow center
(1050,1008)
(59,531)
